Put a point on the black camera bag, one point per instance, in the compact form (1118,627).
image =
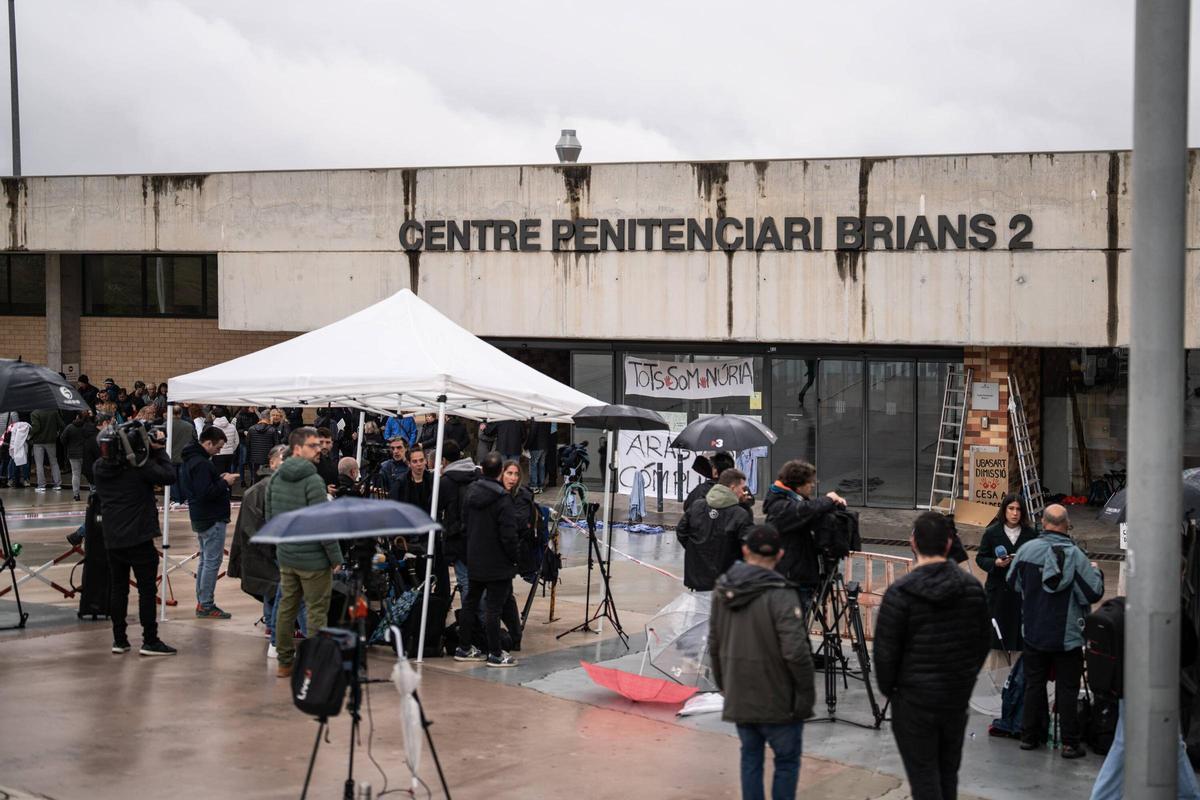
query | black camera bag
(319,677)
(835,534)
(1104,635)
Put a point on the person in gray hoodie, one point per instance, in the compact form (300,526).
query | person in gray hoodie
(711,530)
(762,662)
(1057,584)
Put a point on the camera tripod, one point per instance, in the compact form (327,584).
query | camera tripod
(10,563)
(837,604)
(607,609)
(355,667)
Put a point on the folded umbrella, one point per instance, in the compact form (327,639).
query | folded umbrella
(346,518)
(30,387)
(724,432)
(639,688)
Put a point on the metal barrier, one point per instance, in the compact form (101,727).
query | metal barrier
(874,573)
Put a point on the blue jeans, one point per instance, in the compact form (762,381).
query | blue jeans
(537,468)
(1111,778)
(460,578)
(271,613)
(786,740)
(212,551)
(18,474)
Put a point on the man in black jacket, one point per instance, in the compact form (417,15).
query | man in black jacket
(492,562)
(931,638)
(130,514)
(458,473)
(761,660)
(207,491)
(717,464)
(792,509)
(711,531)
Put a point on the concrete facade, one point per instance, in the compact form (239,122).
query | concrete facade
(295,236)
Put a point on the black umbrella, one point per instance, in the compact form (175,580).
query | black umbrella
(1115,508)
(621,418)
(29,387)
(722,432)
(346,518)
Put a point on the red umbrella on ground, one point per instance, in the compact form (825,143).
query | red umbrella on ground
(639,688)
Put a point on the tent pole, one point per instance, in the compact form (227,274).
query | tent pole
(362,424)
(166,520)
(608,471)
(437,480)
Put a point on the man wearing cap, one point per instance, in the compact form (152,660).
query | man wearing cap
(761,660)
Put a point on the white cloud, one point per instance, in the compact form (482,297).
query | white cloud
(175,85)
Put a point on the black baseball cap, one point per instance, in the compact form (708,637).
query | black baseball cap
(763,540)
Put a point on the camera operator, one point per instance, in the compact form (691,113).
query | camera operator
(792,511)
(711,531)
(395,469)
(348,484)
(130,515)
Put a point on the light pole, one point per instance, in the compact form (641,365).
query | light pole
(1156,387)
(12,79)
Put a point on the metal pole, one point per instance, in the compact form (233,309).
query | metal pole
(1156,387)
(12,80)
(362,429)
(437,481)
(166,520)
(608,509)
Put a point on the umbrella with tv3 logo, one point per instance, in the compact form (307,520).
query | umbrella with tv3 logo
(30,387)
(1115,507)
(724,432)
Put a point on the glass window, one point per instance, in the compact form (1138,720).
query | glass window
(112,284)
(793,410)
(23,284)
(931,387)
(149,285)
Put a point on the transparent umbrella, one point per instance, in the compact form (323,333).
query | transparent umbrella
(677,641)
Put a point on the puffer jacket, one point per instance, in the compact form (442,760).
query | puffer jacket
(1057,584)
(711,535)
(127,498)
(761,657)
(294,485)
(253,563)
(260,438)
(74,437)
(793,515)
(46,424)
(232,441)
(932,636)
(452,492)
(491,532)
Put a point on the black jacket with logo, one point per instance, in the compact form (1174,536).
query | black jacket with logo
(711,535)
(127,498)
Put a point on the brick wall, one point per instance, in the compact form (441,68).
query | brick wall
(24,337)
(987,365)
(130,349)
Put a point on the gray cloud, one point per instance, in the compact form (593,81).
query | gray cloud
(179,85)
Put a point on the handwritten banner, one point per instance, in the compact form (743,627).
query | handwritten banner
(644,451)
(989,477)
(682,380)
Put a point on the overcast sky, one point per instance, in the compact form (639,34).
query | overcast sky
(205,85)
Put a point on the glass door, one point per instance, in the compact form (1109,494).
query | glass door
(840,429)
(793,411)
(891,433)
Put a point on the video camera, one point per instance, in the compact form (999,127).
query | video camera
(836,534)
(130,442)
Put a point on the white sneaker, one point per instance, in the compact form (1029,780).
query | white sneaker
(272,652)
(40,490)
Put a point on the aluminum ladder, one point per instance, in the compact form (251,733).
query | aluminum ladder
(1031,484)
(947,464)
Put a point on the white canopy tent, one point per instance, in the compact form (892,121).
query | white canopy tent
(399,356)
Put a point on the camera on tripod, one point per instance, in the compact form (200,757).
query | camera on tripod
(129,442)
(835,535)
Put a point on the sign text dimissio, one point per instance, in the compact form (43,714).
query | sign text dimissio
(593,235)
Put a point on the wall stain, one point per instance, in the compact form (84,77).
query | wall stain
(1112,253)
(15,192)
(154,187)
(865,165)
(729,294)
(578,182)
(711,179)
(408,182)
(760,172)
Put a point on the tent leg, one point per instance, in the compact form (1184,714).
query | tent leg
(429,551)
(166,519)
(362,424)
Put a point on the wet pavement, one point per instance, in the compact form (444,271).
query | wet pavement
(214,721)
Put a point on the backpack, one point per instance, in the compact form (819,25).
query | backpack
(1103,653)
(1012,703)
(836,533)
(319,676)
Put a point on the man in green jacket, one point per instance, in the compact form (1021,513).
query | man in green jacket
(762,662)
(45,426)
(305,568)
